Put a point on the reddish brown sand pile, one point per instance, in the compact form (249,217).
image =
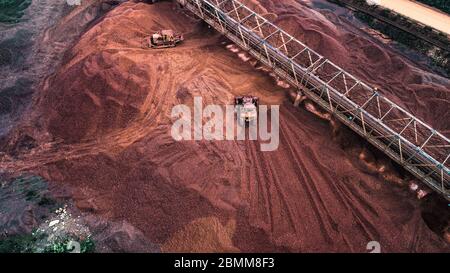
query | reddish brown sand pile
(111,105)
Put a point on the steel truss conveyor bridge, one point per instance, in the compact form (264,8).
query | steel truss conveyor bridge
(417,147)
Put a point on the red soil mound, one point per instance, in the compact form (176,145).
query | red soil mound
(318,192)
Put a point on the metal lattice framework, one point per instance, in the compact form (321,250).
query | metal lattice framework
(417,147)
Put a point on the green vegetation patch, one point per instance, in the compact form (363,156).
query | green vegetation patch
(64,246)
(56,230)
(17,244)
(11,11)
(440,58)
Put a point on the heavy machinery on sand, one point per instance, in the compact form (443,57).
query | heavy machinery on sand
(163,39)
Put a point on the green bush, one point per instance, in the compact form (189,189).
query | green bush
(86,246)
(17,244)
(12,10)
(28,243)
(439,59)
(443,5)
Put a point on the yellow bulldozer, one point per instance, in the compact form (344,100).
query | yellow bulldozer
(163,39)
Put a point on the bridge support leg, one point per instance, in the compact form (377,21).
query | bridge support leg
(298,99)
